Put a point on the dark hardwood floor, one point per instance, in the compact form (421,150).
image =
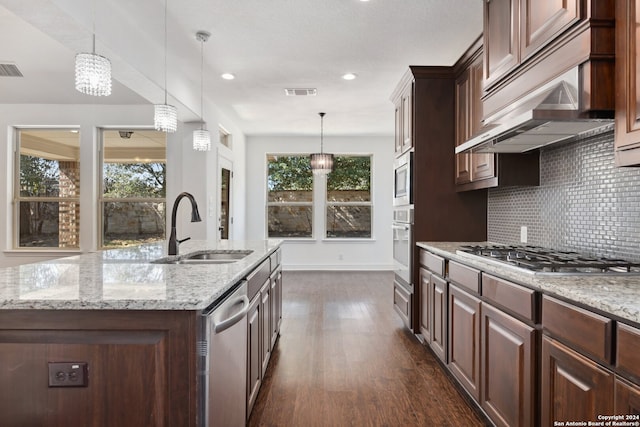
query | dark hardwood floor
(344,359)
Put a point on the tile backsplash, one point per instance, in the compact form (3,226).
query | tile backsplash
(583,203)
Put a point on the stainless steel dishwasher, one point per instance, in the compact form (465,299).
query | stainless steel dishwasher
(223,358)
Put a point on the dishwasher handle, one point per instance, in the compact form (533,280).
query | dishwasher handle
(227,323)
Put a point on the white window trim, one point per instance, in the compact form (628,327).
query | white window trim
(16,199)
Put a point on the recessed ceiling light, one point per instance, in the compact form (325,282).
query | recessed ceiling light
(228,76)
(349,76)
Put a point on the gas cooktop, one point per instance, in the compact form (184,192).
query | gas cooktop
(538,260)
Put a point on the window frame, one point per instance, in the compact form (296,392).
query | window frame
(101,200)
(370,203)
(17,198)
(319,202)
(268,204)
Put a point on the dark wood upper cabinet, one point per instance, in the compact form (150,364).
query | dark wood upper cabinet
(528,43)
(404,118)
(541,21)
(501,33)
(627,135)
(483,170)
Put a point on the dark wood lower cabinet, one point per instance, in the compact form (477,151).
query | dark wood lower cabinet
(254,354)
(573,386)
(265,321)
(141,368)
(402,302)
(464,339)
(508,369)
(438,294)
(425,305)
(627,399)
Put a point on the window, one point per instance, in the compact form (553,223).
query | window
(289,196)
(47,188)
(348,209)
(133,187)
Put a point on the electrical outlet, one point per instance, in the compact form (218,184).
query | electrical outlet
(340,257)
(523,234)
(68,374)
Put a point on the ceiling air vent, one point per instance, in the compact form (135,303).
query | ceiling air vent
(9,70)
(301,92)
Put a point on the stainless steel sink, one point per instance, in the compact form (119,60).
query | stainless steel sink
(218,256)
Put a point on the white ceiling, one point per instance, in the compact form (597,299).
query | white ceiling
(268,44)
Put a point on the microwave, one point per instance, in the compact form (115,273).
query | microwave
(402,180)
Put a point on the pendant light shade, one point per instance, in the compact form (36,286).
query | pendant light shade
(165,116)
(201,137)
(321,163)
(93,72)
(201,140)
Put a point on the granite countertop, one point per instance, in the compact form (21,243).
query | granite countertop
(615,295)
(125,279)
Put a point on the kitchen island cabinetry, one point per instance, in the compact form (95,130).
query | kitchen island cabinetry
(116,339)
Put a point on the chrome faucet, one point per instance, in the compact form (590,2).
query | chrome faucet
(195,217)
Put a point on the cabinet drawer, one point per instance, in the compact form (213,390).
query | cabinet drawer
(464,276)
(257,278)
(275,259)
(402,303)
(516,298)
(628,351)
(587,331)
(432,262)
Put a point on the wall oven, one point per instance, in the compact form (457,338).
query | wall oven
(402,180)
(403,243)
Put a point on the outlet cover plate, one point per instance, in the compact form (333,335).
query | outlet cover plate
(68,374)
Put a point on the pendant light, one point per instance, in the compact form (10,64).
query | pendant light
(321,163)
(165,116)
(201,137)
(93,72)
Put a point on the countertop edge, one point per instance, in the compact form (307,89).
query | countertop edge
(615,296)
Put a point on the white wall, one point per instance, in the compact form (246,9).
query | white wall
(187,170)
(320,254)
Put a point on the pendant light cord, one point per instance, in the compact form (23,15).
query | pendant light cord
(201,83)
(321,132)
(93,22)
(165,50)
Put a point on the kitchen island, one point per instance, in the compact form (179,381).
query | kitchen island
(134,327)
(532,349)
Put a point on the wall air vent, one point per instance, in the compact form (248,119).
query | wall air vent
(301,92)
(9,70)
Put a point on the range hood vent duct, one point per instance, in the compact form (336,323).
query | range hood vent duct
(549,116)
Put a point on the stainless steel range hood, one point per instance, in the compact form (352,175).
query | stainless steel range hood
(549,115)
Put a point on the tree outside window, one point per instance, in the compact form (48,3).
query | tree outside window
(48,188)
(133,188)
(290,187)
(348,209)
(289,196)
